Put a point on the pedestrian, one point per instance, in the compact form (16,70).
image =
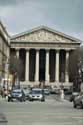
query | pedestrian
(62,93)
(2,94)
(5,93)
(40,85)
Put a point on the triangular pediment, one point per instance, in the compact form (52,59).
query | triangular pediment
(43,34)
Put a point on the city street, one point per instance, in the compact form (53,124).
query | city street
(51,112)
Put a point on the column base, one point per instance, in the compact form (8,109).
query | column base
(36,84)
(28,83)
(67,84)
(47,82)
(64,84)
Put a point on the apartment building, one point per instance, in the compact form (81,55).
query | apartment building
(4,52)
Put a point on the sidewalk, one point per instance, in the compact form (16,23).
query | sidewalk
(57,97)
(2,99)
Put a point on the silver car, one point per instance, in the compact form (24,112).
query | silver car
(36,94)
(78,101)
(46,92)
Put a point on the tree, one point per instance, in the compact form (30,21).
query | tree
(76,66)
(15,66)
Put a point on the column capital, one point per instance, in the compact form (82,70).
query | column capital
(47,50)
(17,49)
(27,49)
(67,50)
(37,49)
(57,50)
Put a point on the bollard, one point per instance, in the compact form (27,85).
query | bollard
(3,120)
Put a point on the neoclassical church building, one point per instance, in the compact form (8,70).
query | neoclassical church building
(44,55)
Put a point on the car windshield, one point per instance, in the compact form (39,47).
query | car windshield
(16,91)
(26,91)
(46,90)
(36,92)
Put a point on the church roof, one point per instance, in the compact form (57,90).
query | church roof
(48,29)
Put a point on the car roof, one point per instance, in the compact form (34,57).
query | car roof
(17,90)
(37,89)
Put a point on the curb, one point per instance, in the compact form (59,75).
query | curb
(2,99)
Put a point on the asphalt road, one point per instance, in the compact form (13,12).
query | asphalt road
(51,112)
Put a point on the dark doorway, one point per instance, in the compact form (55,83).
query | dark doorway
(42,65)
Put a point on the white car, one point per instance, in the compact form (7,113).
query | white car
(37,94)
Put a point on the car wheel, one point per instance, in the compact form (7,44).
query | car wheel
(9,100)
(30,100)
(74,105)
(70,100)
(81,105)
(42,100)
(24,99)
(21,99)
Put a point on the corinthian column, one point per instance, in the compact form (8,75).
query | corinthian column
(37,66)
(66,66)
(57,66)
(27,65)
(47,66)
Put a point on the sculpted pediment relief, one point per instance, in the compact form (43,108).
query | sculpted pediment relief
(43,34)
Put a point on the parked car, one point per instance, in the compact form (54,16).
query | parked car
(73,95)
(78,101)
(17,94)
(67,92)
(55,90)
(37,94)
(26,92)
(46,91)
(52,90)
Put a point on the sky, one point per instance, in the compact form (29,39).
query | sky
(62,15)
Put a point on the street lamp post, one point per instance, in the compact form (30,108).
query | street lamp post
(43,91)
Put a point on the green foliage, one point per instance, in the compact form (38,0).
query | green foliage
(76,64)
(15,66)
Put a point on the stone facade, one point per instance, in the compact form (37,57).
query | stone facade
(4,51)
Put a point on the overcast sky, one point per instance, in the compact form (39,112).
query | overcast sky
(62,15)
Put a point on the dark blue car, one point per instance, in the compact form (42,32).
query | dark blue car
(17,94)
